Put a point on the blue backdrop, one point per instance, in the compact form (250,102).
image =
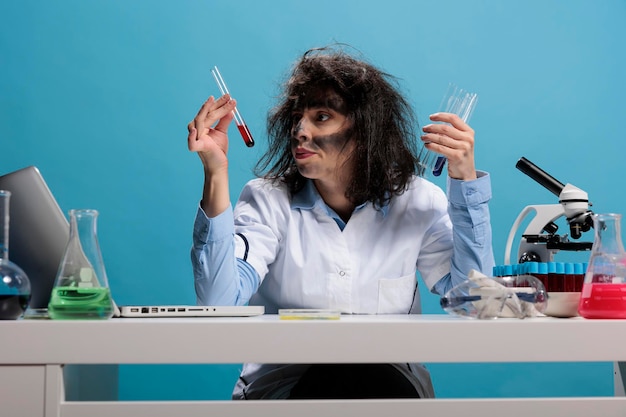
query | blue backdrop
(98,94)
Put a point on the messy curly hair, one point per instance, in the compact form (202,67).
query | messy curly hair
(385,155)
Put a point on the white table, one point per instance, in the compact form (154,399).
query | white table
(32,354)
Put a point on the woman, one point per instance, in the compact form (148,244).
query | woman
(339,217)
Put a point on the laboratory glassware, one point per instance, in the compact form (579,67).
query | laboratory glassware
(241,124)
(457,101)
(604,289)
(15,290)
(81,289)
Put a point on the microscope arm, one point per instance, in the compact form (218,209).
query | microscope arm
(545,214)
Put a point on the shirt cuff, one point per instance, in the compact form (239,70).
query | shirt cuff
(470,193)
(214,229)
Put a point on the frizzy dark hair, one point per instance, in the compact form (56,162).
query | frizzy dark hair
(385,156)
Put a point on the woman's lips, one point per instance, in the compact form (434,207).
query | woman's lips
(303,153)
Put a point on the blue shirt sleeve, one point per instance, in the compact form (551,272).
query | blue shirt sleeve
(471,228)
(220,277)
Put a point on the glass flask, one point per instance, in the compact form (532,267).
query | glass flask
(14,286)
(81,289)
(604,289)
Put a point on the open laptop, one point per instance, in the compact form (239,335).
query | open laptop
(38,234)
(190,311)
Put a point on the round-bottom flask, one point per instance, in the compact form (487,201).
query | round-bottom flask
(14,290)
(14,283)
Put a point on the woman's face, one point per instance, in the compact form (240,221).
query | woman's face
(322,141)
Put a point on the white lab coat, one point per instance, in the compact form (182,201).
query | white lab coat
(305,260)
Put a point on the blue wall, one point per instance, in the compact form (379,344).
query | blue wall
(97,94)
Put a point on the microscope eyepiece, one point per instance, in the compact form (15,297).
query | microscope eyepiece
(539,175)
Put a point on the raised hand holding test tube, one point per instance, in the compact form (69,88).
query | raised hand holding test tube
(241,125)
(460,102)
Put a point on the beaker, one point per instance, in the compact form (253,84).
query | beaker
(14,283)
(604,289)
(81,289)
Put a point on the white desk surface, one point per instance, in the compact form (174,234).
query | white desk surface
(380,338)
(33,353)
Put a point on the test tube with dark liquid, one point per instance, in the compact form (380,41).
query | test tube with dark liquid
(461,103)
(241,125)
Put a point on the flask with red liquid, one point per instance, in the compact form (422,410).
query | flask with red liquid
(604,289)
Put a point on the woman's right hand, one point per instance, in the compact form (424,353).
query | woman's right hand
(211,142)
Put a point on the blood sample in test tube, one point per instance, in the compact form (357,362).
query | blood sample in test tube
(241,124)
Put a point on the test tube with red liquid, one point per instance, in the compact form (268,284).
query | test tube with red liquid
(241,125)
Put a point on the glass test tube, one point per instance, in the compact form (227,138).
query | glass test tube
(461,103)
(241,125)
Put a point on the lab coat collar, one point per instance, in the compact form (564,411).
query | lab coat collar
(308,197)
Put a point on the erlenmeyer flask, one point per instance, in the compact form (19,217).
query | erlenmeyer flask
(604,290)
(14,284)
(81,289)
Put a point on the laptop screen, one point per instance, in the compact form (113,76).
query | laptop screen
(38,231)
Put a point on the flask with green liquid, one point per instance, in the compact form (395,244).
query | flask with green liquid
(81,289)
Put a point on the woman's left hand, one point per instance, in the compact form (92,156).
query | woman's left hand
(454,139)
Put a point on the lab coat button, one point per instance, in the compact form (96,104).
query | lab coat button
(342,273)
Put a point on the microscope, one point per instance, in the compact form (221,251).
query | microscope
(540,241)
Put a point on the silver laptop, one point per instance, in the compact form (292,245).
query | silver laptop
(38,234)
(191,311)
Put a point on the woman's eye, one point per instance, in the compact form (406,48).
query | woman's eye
(322,117)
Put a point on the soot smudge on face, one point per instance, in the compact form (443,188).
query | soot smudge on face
(333,142)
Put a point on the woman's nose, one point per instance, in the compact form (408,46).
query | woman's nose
(301,131)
